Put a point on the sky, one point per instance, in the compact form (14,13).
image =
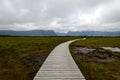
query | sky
(60,15)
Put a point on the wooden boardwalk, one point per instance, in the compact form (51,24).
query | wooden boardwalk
(59,65)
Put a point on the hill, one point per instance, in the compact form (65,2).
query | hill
(53,33)
(92,33)
(28,33)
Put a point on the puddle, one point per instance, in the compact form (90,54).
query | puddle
(84,38)
(98,55)
(83,50)
(112,49)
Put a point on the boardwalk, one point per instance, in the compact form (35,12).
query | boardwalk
(59,65)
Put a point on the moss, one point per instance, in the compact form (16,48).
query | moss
(98,56)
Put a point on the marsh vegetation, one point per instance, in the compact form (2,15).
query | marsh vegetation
(97,63)
(21,57)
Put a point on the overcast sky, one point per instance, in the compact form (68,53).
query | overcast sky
(60,15)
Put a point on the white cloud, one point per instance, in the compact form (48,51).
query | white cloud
(60,15)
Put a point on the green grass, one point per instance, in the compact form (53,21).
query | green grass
(99,71)
(98,56)
(14,50)
(100,42)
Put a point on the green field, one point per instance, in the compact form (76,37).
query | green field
(99,71)
(21,57)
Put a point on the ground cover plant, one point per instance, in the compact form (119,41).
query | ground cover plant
(21,57)
(95,62)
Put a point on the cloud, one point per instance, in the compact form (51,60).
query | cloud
(60,15)
(111,15)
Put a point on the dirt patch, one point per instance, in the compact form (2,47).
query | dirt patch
(92,54)
(34,59)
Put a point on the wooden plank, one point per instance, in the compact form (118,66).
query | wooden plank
(59,65)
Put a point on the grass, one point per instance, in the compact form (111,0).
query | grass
(100,42)
(99,71)
(98,55)
(17,55)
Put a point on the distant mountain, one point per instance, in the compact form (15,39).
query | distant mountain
(52,33)
(61,34)
(28,33)
(92,33)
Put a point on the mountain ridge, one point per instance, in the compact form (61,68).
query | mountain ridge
(53,33)
(93,33)
(28,33)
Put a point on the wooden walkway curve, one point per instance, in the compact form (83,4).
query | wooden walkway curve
(59,65)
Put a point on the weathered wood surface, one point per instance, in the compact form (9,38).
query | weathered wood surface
(59,65)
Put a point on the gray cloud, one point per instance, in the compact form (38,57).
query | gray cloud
(60,15)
